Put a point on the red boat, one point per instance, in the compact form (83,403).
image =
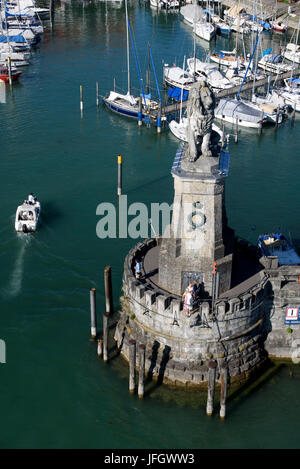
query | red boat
(278,26)
(4,76)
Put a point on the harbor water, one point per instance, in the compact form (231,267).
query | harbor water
(55,392)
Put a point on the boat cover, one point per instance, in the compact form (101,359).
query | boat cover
(175,93)
(192,12)
(18,38)
(235,108)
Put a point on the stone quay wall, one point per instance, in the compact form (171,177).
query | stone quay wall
(283,339)
(178,348)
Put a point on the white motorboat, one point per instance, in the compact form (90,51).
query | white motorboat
(274,63)
(27,216)
(239,113)
(192,13)
(176,76)
(209,71)
(222,27)
(205,30)
(227,58)
(179,129)
(290,93)
(292,53)
(272,113)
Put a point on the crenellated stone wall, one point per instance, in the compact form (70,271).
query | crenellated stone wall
(178,347)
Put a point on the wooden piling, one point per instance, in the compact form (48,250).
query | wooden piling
(97,94)
(224,380)
(142,349)
(140,116)
(9,70)
(100,348)
(119,175)
(293,115)
(211,387)
(277,118)
(132,363)
(93,313)
(108,289)
(105,336)
(158,121)
(81,98)
(236,138)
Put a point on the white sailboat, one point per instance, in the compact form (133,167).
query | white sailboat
(126,104)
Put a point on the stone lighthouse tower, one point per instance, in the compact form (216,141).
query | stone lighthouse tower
(226,322)
(198,235)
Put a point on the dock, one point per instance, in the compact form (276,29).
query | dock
(248,85)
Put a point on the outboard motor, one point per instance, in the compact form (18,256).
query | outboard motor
(24,228)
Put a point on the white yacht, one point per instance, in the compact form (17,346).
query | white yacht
(210,72)
(205,30)
(27,216)
(239,113)
(176,76)
(292,53)
(290,93)
(274,63)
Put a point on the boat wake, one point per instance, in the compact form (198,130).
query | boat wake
(15,282)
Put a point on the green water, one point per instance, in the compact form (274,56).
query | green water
(55,392)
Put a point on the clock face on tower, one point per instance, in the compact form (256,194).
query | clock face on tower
(196,219)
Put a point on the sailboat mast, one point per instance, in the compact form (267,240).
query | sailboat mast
(127,43)
(296,43)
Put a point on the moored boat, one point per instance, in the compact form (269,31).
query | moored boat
(237,112)
(27,216)
(276,244)
(4,73)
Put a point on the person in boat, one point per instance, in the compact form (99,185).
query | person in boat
(138,269)
(31,198)
(30,216)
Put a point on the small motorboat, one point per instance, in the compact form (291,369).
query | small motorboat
(276,244)
(278,26)
(27,216)
(4,73)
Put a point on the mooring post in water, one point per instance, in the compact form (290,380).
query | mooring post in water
(119,175)
(223,134)
(114,84)
(140,116)
(132,360)
(51,10)
(261,124)
(93,313)
(108,289)
(158,123)
(81,98)
(211,387)
(277,118)
(236,138)
(105,336)
(97,94)
(224,380)
(100,348)
(293,114)
(9,70)
(142,349)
